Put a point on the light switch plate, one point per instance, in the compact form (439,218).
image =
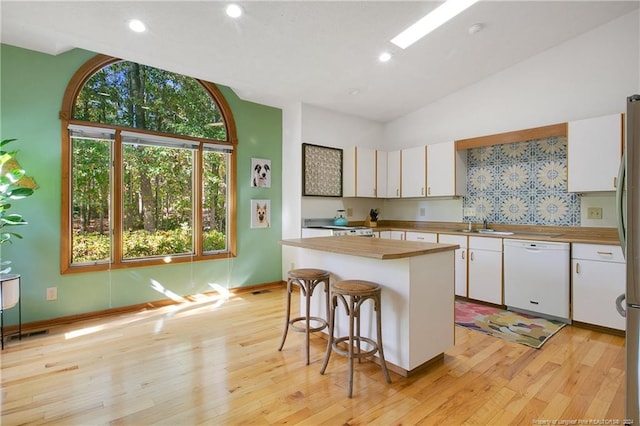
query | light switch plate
(469,211)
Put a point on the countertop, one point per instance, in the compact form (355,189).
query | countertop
(520,232)
(369,247)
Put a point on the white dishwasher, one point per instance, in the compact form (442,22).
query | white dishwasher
(536,277)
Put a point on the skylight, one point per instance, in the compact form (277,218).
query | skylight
(431,21)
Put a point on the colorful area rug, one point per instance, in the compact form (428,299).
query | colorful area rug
(512,326)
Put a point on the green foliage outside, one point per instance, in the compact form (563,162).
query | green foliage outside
(89,247)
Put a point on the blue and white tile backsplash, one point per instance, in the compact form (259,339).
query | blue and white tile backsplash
(521,183)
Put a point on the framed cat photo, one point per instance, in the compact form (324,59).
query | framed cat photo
(260,173)
(260,213)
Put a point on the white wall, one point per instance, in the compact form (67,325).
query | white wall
(329,128)
(588,76)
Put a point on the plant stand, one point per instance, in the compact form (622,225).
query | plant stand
(8,299)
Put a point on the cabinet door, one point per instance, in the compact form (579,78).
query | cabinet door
(460,262)
(485,276)
(595,288)
(359,172)
(414,175)
(594,148)
(393,174)
(446,170)
(381,174)
(392,235)
(425,237)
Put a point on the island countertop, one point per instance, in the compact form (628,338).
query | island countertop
(376,248)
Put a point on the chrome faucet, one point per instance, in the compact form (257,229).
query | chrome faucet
(484,224)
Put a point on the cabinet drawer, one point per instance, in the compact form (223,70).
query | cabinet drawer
(460,240)
(425,237)
(602,252)
(485,243)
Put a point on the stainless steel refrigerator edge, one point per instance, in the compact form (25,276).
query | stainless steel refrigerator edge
(628,202)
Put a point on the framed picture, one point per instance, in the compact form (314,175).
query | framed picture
(260,173)
(260,213)
(321,171)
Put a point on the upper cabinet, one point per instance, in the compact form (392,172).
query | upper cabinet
(446,170)
(594,149)
(359,172)
(393,174)
(381,174)
(413,172)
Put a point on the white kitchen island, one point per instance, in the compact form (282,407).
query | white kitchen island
(417,282)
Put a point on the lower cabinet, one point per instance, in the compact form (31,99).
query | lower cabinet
(392,235)
(598,274)
(460,261)
(425,237)
(485,269)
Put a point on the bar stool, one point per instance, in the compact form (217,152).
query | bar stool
(306,279)
(357,292)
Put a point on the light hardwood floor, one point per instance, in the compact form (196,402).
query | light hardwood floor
(216,362)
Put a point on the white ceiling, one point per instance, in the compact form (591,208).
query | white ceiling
(316,52)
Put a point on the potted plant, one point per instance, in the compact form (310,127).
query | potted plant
(14,185)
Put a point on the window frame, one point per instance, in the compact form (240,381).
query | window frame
(72,91)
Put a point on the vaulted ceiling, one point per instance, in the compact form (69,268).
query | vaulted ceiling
(323,53)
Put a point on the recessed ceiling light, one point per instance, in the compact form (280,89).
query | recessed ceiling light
(431,21)
(354,91)
(384,57)
(137,26)
(234,11)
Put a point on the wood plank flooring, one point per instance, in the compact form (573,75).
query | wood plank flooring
(215,361)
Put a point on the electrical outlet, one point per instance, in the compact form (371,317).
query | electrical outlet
(423,211)
(469,211)
(349,212)
(594,213)
(293,265)
(52,293)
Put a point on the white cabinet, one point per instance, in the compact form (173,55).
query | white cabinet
(594,149)
(446,170)
(414,175)
(598,273)
(425,237)
(381,174)
(359,172)
(393,174)
(392,235)
(460,261)
(485,269)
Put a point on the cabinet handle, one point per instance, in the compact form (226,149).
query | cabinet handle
(428,190)
(462,254)
(471,256)
(577,268)
(605,253)
(615,181)
(397,192)
(422,191)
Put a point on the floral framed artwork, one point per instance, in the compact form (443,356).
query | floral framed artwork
(260,173)
(260,213)
(321,171)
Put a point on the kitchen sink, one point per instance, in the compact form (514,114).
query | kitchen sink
(485,231)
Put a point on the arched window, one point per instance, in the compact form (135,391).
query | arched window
(148,168)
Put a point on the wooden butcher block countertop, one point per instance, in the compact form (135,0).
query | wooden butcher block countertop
(376,248)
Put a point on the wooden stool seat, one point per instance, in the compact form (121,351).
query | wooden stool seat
(306,279)
(352,293)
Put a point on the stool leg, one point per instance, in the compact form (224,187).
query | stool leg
(287,315)
(383,363)
(307,314)
(332,317)
(352,314)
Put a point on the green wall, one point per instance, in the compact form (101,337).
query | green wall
(31,90)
